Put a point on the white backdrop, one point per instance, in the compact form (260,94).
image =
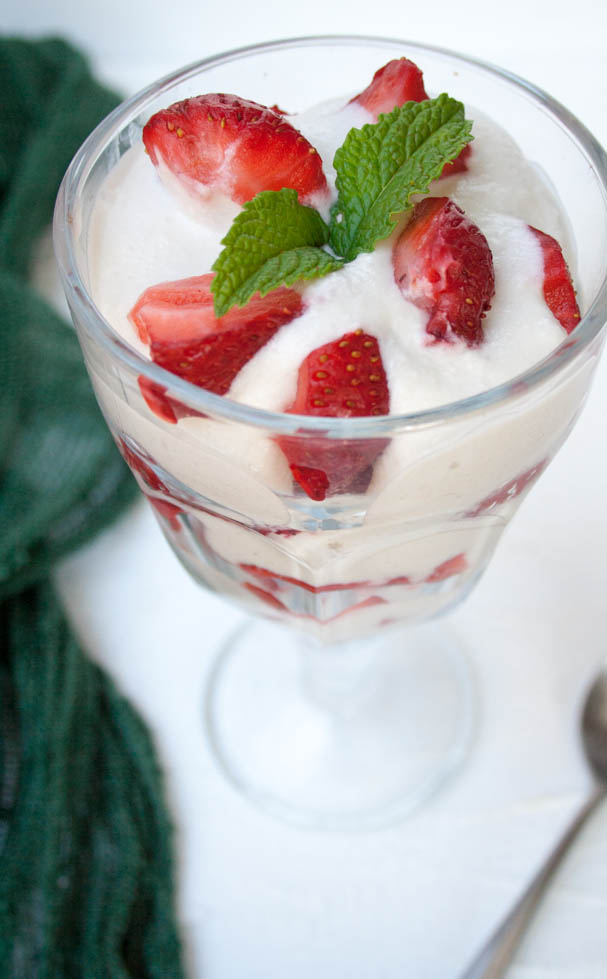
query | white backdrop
(258,900)
(556,44)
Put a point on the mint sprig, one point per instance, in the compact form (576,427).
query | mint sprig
(273,241)
(277,241)
(381,166)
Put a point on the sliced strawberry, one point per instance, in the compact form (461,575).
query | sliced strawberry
(234,146)
(276,579)
(174,311)
(278,531)
(459,164)
(140,466)
(342,379)
(398,82)
(266,596)
(510,490)
(186,338)
(558,287)
(402,579)
(275,603)
(365,603)
(443,264)
(314,482)
(454,565)
(168,510)
(161,403)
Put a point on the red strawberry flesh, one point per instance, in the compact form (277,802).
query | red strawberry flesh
(232,145)
(152,481)
(185,337)
(459,164)
(342,379)
(443,264)
(557,287)
(398,82)
(266,596)
(510,490)
(454,565)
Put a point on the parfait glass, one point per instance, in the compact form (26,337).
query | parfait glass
(343,704)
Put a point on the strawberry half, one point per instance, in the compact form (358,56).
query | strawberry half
(398,82)
(443,264)
(185,337)
(558,287)
(342,379)
(234,146)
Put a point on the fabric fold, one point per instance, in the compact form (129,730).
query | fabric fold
(86,880)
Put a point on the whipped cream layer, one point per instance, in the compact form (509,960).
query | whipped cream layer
(147,229)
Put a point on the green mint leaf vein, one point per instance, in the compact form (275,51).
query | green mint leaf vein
(381,166)
(273,241)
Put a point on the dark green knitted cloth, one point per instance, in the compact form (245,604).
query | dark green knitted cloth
(85,855)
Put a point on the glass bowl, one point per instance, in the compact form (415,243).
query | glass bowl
(343,707)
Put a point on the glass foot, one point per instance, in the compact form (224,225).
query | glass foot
(344,737)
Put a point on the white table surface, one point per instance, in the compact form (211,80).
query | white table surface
(260,900)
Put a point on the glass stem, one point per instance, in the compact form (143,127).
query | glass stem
(340,678)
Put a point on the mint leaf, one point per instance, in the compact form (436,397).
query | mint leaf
(292,266)
(273,241)
(381,166)
(277,241)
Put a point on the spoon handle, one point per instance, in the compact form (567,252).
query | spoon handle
(495,956)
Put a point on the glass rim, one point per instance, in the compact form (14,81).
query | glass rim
(220,406)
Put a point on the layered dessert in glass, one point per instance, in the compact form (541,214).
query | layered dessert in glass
(341,448)
(403,524)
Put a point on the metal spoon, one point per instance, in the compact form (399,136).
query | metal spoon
(498,952)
